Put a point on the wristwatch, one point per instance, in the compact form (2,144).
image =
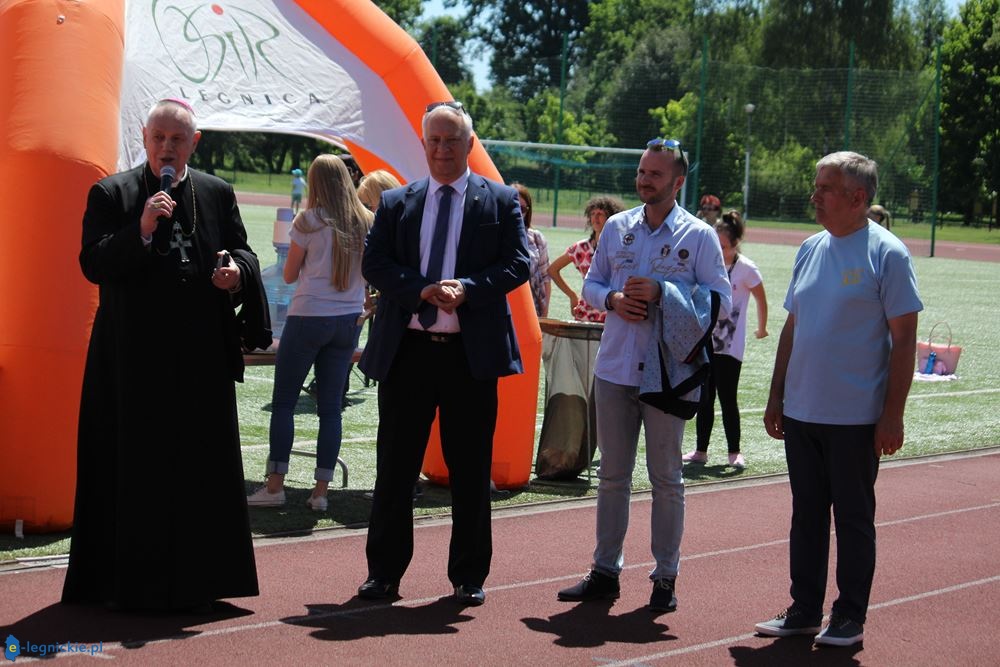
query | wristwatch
(607,300)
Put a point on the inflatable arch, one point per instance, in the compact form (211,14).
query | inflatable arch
(76,80)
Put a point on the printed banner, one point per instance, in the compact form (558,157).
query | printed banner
(257,65)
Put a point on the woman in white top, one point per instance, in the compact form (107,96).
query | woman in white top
(729,341)
(322,328)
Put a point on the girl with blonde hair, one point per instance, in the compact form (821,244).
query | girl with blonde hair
(322,329)
(372,185)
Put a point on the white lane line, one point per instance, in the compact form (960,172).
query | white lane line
(704,646)
(312,618)
(940,591)
(935,515)
(308,620)
(947,394)
(911,397)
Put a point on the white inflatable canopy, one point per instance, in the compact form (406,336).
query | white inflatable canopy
(259,65)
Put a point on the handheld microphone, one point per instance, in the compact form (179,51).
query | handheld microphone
(167,173)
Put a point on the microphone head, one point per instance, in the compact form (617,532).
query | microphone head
(167,173)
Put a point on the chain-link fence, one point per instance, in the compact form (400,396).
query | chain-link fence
(783,121)
(563,178)
(753,136)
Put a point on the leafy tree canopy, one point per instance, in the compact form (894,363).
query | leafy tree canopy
(970,122)
(404,12)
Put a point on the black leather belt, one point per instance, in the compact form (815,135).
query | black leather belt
(434,336)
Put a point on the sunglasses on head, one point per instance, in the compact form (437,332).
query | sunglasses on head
(664,145)
(451,105)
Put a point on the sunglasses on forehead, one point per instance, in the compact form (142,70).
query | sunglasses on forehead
(457,106)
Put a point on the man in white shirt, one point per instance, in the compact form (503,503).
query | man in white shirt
(640,248)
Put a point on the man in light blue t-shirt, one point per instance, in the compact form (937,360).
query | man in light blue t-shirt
(841,376)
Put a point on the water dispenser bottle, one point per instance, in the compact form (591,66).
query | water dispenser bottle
(279,294)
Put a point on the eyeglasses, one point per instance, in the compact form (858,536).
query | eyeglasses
(457,106)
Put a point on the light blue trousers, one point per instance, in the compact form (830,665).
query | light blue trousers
(620,414)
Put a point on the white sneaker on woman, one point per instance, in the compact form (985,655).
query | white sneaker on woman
(264,498)
(317,503)
(695,457)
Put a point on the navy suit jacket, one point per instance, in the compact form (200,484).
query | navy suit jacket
(492,260)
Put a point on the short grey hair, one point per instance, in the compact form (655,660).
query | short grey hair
(857,167)
(461,113)
(175,105)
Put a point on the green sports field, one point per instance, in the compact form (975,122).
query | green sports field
(940,417)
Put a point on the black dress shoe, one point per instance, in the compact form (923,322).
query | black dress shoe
(471,596)
(377,588)
(595,586)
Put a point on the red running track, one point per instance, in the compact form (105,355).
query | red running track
(936,598)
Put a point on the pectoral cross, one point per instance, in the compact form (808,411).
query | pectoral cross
(180,242)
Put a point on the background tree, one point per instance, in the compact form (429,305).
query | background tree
(615,29)
(495,113)
(648,77)
(526,39)
(443,39)
(404,12)
(817,34)
(970,121)
(929,20)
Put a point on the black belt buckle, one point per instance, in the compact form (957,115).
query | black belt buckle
(434,336)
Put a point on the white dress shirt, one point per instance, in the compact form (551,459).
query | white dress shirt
(446,322)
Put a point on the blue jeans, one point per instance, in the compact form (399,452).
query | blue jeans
(620,413)
(329,343)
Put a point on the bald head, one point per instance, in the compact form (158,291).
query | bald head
(170,135)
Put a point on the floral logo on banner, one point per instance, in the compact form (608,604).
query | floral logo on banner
(203,40)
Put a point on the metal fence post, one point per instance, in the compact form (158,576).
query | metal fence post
(559,136)
(701,118)
(937,144)
(850,98)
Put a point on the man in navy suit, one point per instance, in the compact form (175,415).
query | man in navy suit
(443,253)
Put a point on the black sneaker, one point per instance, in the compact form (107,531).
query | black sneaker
(595,586)
(789,623)
(663,598)
(841,631)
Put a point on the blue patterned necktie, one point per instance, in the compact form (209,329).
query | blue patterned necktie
(428,311)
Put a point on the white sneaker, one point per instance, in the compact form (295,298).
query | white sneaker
(695,457)
(262,498)
(737,461)
(317,503)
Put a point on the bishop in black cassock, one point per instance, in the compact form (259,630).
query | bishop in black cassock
(161,519)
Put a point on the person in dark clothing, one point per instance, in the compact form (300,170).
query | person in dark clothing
(443,252)
(160,521)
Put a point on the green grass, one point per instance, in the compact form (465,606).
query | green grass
(940,417)
(951,232)
(572,202)
(246,181)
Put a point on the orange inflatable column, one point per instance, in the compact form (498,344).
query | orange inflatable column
(60,76)
(364,30)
